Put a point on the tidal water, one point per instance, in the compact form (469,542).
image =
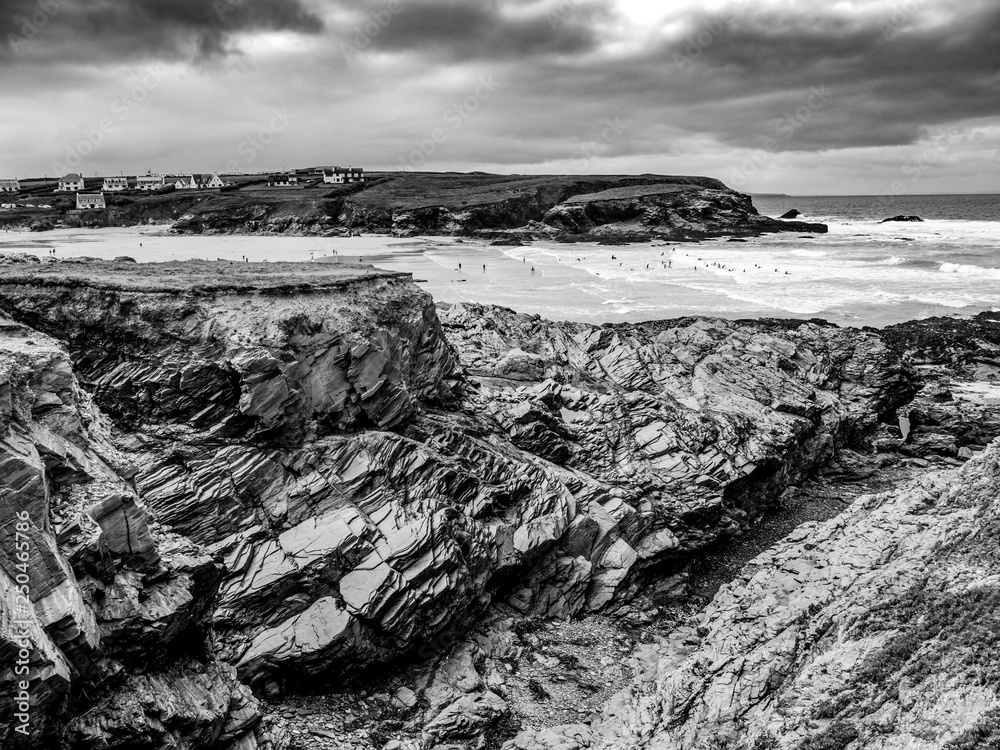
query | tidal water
(862,272)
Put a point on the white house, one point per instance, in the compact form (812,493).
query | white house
(71,183)
(10,186)
(282,180)
(339,176)
(115,184)
(213,182)
(149,182)
(90,200)
(187,183)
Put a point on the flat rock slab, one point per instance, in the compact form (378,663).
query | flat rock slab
(192,276)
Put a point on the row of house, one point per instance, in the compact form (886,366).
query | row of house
(334,176)
(75,183)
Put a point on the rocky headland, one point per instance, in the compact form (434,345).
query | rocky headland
(272,505)
(496,207)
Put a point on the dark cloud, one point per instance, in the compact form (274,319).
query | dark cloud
(489,29)
(889,75)
(95,31)
(819,79)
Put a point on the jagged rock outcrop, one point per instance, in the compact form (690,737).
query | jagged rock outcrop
(902,218)
(876,629)
(635,212)
(668,212)
(368,473)
(971,344)
(91,592)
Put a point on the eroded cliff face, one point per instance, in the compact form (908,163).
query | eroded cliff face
(649,207)
(668,212)
(873,630)
(104,616)
(341,474)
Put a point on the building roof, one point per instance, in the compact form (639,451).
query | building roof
(72,177)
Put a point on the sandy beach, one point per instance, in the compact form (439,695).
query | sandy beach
(861,273)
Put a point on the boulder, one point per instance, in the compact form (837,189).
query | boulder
(902,218)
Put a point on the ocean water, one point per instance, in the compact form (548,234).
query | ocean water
(861,273)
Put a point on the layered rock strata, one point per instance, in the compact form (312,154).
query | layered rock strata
(104,616)
(341,474)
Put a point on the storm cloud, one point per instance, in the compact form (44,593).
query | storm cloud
(107,30)
(859,89)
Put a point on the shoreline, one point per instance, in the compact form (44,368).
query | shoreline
(858,275)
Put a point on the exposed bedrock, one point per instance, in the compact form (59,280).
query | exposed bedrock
(637,208)
(90,591)
(668,212)
(349,474)
(876,629)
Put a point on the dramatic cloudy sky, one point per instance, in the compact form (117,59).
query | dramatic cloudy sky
(839,96)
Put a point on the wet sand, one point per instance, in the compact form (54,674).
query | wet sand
(855,275)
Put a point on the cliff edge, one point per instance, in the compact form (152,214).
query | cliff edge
(295,473)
